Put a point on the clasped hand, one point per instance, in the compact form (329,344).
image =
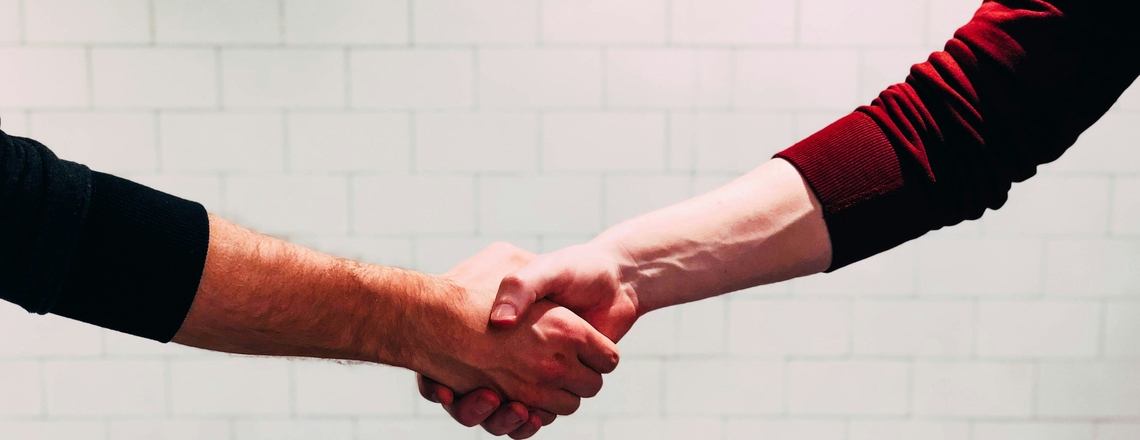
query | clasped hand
(552,330)
(543,356)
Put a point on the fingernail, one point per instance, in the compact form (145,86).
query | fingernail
(504,311)
(513,418)
(483,406)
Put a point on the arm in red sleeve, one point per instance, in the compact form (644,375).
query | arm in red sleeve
(1013,89)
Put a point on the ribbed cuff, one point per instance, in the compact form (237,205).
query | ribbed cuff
(138,261)
(867,202)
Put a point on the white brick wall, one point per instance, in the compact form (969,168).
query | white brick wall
(415,132)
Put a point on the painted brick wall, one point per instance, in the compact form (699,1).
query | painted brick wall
(415,132)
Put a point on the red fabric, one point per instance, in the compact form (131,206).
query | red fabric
(1013,89)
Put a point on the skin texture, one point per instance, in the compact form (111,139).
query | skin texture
(263,296)
(764,227)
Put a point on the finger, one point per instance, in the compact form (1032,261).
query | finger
(582,381)
(525,286)
(546,417)
(434,391)
(560,402)
(527,429)
(507,419)
(597,351)
(474,408)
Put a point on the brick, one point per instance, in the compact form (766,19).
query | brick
(217,21)
(349,142)
(668,78)
(573,428)
(49,335)
(150,78)
(284,205)
(1109,146)
(907,429)
(1101,390)
(654,335)
(1126,207)
(979,390)
(604,22)
(913,328)
(206,190)
(15,123)
(995,266)
(848,388)
(293,430)
(891,273)
(10,23)
(295,78)
(167,429)
(476,142)
(107,142)
(346,22)
(438,255)
(1054,205)
(234,386)
(732,22)
(221,141)
(53,430)
(630,196)
(832,23)
(80,21)
(801,80)
(412,79)
(1117,431)
(1033,431)
(603,142)
(475,22)
(327,388)
(1122,329)
(43,77)
(946,16)
(726,142)
(1094,267)
(1038,329)
(540,78)
(719,387)
(545,204)
(778,327)
(396,205)
(701,328)
(383,251)
(85,388)
(663,429)
(883,68)
(20,383)
(414,429)
(634,389)
(122,344)
(785,429)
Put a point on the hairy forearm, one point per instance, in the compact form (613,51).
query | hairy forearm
(762,228)
(263,296)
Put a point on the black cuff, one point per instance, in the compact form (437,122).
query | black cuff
(138,261)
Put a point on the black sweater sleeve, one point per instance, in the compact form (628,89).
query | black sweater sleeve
(95,247)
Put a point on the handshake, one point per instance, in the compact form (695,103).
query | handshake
(543,342)
(507,339)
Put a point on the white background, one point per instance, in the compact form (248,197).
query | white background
(414,132)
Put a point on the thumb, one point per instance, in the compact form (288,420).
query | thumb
(519,290)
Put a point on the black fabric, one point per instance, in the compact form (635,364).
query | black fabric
(95,247)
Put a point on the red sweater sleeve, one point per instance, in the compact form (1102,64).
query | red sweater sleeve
(1013,89)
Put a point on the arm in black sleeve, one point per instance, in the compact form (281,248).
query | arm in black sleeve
(95,247)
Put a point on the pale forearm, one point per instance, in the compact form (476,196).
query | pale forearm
(762,228)
(263,296)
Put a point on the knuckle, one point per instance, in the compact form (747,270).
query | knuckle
(512,282)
